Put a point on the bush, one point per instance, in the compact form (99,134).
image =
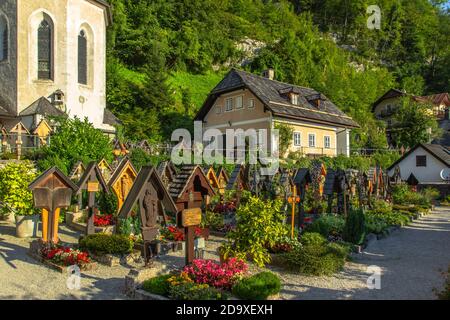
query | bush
(312,238)
(193,291)
(403,195)
(316,259)
(257,287)
(355,229)
(391,218)
(103,243)
(74,140)
(107,203)
(375,223)
(14,194)
(327,225)
(158,285)
(259,226)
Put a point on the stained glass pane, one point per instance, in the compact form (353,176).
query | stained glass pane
(44,51)
(82,58)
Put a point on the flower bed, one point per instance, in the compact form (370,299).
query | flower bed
(209,280)
(61,257)
(104,220)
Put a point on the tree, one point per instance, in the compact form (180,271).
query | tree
(414,123)
(75,140)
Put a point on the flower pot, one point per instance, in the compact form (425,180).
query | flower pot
(26,226)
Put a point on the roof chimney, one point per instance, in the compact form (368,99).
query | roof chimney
(269,73)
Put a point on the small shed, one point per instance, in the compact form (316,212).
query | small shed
(190,188)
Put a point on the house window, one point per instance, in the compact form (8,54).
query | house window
(229,104)
(3,39)
(327,142)
(82,58)
(312,140)
(45,51)
(421,161)
(294,99)
(251,103)
(297,139)
(218,110)
(239,102)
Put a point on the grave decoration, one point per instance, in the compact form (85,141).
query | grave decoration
(52,191)
(253,178)
(212,178)
(153,200)
(122,180)
(286,182)
(301,180)
(120,149)
(191,188)
(105,169)
(397,176)
(336,182)
(237,181)
(167,172)
(223,179)
(318,173)
(190,219)
(92,181)
(77,171)
(412,181)
(42,132)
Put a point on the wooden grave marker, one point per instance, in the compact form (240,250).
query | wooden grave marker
(122,180)
(52,190)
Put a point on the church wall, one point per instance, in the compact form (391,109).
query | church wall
(68,17)
(8,68)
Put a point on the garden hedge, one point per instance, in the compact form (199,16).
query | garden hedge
(101,243)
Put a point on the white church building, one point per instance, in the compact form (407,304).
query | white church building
(53,63)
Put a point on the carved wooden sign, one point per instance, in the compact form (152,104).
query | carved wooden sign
(191,217)
(93,186)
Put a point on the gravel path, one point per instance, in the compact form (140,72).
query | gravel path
(411,260)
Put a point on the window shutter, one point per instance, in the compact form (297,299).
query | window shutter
(82,58)
(44,51)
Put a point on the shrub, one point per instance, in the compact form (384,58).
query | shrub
(355,229)
(193,291)
(103,243)
(107,203)
(403,195)
(316,259)
(327,225)
(74,140)
(259,226)
(158,285)
(391,218)
(14,193)
(257,287)
(375,223)
(312,238)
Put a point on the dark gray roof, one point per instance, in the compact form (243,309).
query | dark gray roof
(110,118)
(270,92)
(391,93)
(4,110)
(438,151)
(181,180)
(302,176)
(43,107)
(235,177)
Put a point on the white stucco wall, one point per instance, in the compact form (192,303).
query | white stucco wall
(68,17)
(428,174)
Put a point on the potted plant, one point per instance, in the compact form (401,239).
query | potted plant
(17,199)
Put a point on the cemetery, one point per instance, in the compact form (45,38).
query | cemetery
(189,232)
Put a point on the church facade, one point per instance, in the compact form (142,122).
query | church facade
(53,63)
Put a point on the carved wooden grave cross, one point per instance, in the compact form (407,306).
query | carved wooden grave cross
(92,181)
(52,191)
(189,219)
(152,199)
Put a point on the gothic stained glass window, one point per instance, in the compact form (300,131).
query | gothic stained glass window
(82,58)
(45,51)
